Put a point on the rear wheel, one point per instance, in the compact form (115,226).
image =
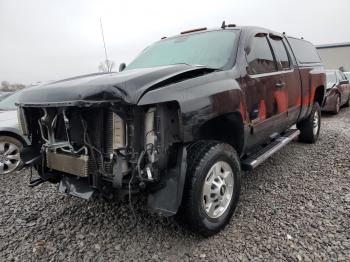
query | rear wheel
(212,186)
(9,155)
(310,127)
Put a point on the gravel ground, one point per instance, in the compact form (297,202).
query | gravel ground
(294,207)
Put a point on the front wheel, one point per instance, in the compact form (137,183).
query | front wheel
(10,160)
(347,104)
(310,127)
(337,105)
(212,186)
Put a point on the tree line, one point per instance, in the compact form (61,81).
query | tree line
(7,87)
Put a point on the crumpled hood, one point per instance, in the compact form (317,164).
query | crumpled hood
(128,86)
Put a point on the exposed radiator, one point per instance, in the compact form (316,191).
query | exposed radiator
(105,133)
(75,165)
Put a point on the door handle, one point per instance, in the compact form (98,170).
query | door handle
(280,84)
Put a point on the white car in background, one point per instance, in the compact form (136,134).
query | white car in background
(4,94)
(11,138)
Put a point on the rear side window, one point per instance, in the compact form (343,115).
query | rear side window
(280,52)
(304,51)
(260,58)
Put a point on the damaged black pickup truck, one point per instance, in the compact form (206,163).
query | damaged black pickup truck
(179,123)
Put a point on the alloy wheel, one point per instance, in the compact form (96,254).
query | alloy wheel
(337,106)
(9,157)
(316,123)
(218,189)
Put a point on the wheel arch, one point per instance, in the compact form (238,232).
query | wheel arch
(14,135)
(319,95)
(339,93)
(227,128)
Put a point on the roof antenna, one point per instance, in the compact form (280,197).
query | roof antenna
(223,25)
(104,43)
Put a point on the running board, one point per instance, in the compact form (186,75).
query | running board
(256,159)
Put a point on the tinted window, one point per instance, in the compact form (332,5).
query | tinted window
(260,58)
(304,51)
(281,52)
(212,49)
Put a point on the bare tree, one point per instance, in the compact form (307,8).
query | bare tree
(106,66)
(5,86)
(17,87)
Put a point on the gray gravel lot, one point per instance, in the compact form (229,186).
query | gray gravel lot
(294,207)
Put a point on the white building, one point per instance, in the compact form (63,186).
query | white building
(335,56)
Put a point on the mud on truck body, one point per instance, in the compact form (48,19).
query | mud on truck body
(179,123)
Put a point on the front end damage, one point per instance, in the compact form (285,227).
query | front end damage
(109,148)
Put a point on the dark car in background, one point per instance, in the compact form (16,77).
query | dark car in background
(337,91)
(11,138)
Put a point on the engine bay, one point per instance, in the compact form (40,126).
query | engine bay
(124,148)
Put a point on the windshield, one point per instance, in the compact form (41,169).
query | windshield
(331,78)
(211,49)
(8,103)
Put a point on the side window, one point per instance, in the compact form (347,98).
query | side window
(260,58)
(281,53)
(304,51)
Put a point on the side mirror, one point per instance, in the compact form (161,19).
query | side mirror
(344,82)
(122,67)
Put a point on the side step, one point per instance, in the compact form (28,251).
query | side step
(256,159)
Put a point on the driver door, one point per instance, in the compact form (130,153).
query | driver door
(263,84)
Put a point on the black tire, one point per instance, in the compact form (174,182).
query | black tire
(202,156)
(306,127)
(347,104)
(6,141)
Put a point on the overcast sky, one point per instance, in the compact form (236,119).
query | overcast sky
(42,40)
